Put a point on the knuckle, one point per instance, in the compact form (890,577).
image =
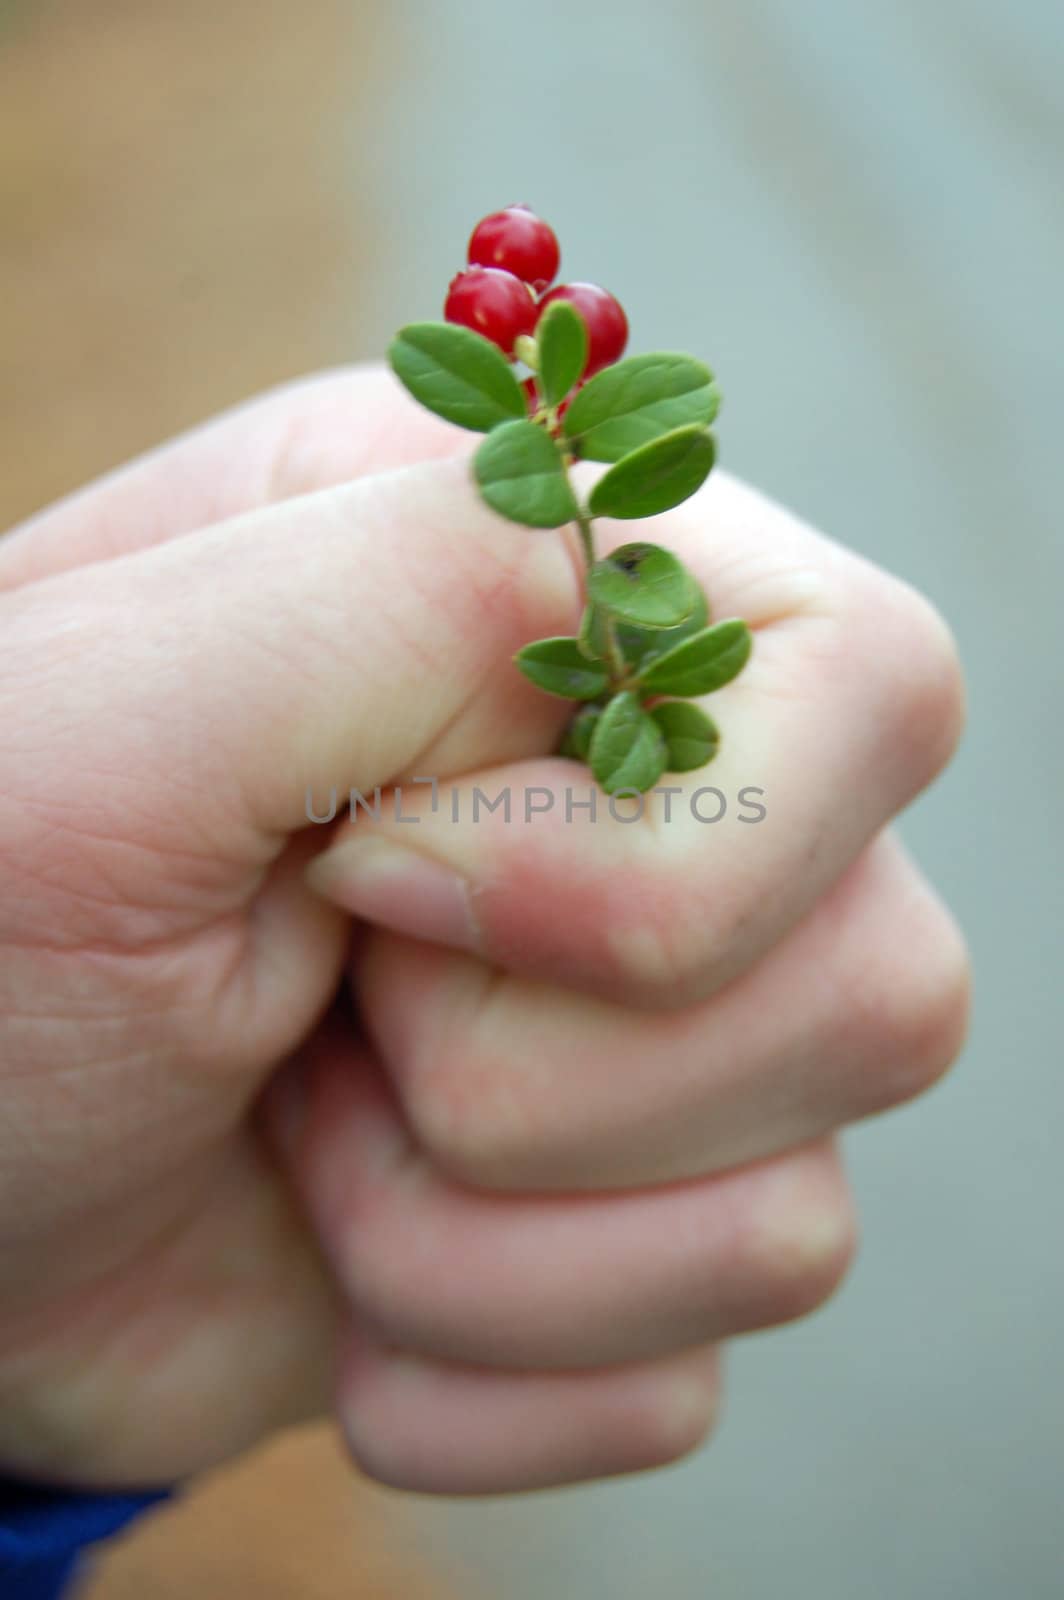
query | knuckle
(375,1455)
(686,1414)
(373,1273)
(466,1116)
(935,1030)
(916,1021)
(656,943)
(643,956)
(924,693)
(363,1231)
(940,1025)
(799,1246)
(372,1438)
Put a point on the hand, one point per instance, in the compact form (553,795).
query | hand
(583,1130)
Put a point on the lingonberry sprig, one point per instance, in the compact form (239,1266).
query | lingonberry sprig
(646,646)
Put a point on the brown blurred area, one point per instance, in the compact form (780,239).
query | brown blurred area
(182,221)
(288,1521)
(178,232)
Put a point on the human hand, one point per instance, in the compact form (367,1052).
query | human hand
(583,1135)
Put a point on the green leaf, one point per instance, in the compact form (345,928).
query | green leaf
(592,638)
(644,584)
(691,738)
(657,476)
(558,666)
(458,374)
(522,475)
(637,400)
(627,747)
(576,741)
(561,335)
(639,646)
(705,662)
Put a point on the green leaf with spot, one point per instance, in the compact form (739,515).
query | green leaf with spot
(657,476)
(457,374)
(643,584)
(691,738)
(559,666)
(627,747)
(521,475)
(705,662)
(637,400)
(561,335)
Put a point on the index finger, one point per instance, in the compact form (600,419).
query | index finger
(312,434)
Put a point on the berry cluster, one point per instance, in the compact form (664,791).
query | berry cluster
(646,648)
(505,290)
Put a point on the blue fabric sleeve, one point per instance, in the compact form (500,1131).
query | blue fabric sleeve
(43,1531)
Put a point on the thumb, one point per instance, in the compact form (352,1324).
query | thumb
(334,641)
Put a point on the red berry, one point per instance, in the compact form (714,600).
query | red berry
(493,303)
(607,325)
(519,242)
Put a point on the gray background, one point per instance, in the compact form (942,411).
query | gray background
(856,213)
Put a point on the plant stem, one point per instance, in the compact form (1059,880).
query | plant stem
(583,522)
(614,654)
(618,665)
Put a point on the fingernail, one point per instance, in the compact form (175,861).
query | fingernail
(397,888)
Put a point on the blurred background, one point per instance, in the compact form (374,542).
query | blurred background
(854,213)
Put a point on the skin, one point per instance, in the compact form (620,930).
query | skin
(582,1130)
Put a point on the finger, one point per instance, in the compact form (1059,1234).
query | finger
(319,644)
(552,1282)
(852,701)
(308,435)
(512,1087)
(167,713)
(443,1428)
